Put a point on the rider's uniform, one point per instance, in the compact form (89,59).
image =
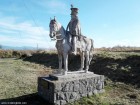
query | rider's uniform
(74,28)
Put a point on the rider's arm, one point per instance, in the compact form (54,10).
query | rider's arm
(67,26)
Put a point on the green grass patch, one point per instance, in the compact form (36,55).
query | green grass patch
(17,78)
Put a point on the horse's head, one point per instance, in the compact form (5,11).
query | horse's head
(54,28)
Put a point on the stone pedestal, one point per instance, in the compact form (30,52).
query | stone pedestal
(62,89)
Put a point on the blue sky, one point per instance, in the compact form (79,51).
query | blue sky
(107,22)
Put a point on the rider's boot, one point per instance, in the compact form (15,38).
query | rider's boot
(74,50)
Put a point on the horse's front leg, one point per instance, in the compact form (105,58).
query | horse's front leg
(65,55)
(60,62)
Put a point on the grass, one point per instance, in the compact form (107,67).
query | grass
(18,77)
(116,94)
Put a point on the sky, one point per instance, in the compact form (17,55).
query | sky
(108,22)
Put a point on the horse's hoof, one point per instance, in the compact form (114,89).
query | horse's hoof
(65,73)
(74,53)
(80,70)
(86,71)
(59,71)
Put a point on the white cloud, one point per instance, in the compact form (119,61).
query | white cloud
(24,34)
(53,6)
(56,4)
(125,35)
(103,42)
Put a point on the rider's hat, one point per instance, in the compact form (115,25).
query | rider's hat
(74,11)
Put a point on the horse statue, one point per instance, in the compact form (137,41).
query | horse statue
(84,48)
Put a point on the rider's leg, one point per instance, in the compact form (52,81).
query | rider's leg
(74,48)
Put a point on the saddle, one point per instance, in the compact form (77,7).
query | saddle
(80,40)
(80,37)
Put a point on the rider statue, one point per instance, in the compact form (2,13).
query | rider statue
(74,28)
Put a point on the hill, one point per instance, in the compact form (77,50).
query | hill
(18,48)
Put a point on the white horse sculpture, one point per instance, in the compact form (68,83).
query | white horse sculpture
(85,46)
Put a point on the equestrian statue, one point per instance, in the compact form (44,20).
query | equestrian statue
(71,41)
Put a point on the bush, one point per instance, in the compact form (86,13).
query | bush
(5,54)
(0,46)
(16,53)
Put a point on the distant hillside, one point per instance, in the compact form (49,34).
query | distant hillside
(119,49)
(18,48)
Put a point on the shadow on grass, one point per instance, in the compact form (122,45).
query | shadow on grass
(51,60)
(118,70)
(31,99)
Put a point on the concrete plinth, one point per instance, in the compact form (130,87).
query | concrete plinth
(62,89)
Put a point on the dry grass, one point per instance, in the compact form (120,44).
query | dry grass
(20,53)
(19,77)
(119,49)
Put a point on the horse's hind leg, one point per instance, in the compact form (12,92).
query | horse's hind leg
(90,57)
(87,61)
(60,62)
(65,55)
(82,60)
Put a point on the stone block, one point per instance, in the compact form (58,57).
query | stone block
(62,89)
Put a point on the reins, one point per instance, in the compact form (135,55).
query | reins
(53,39)
(57,34)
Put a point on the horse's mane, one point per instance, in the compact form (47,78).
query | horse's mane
(65,33)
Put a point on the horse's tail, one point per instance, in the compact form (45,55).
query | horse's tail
(92,46)
(91,51)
